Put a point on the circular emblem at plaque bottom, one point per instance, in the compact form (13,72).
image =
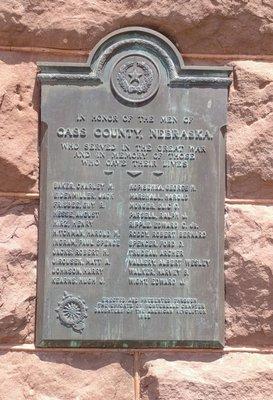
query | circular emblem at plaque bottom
(135,79)
(71,312)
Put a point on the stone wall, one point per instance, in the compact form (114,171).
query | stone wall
(230,32)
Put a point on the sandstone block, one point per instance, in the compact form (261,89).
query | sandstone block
(207,377)
(66,375)
(198,26)
(249,275)
(18,250)
(18,127)
(250,131)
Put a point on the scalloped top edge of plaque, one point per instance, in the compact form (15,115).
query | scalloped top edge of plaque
(134,38)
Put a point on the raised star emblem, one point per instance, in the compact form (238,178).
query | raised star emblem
(134,76)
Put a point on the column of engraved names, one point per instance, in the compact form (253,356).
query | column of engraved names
(81,247)
(158,229)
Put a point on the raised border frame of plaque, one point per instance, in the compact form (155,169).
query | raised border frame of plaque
(134,72)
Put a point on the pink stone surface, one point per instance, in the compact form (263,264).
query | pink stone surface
(18,250)
(213,26)
(249,275)
(204,376)
(18,127)
(66,376)
(250,131)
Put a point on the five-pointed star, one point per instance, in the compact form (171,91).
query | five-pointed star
(134,76)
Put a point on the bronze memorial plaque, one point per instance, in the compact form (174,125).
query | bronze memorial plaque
(132,198)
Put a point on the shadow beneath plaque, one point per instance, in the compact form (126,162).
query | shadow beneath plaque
(87,360)
(182,355)
(88,374)
(167,360)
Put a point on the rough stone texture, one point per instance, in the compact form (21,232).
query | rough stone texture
(214,26)
(18,248)
(19,108)
(66,376)
(208,377)
(249,275)
(250,131)
(18,128)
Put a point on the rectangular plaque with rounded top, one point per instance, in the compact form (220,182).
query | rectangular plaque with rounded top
(132,198)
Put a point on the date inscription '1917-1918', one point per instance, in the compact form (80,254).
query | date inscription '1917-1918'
(132,187)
